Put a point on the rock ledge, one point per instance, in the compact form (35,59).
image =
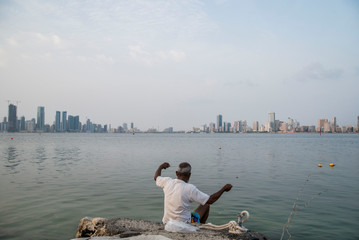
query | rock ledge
(124,228)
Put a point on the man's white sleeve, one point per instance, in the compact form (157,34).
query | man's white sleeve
(199,196)
(161,181)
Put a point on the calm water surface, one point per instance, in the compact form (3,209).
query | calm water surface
(49,182)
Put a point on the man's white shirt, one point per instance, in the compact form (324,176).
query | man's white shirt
(178,198)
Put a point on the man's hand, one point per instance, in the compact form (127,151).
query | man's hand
(227,187)
(159,170)
(164,165)
(215,196)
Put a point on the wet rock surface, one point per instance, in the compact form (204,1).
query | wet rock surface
(92,228)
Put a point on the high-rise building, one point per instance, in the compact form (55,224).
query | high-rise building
(12,119)
(4,125)
(272,122)
(22,124)
(212,127)
(321,123)
(255,126)
(89,126)
(40,125)
(267,127)
(70,123)
(226,127)
(327,127)
(333,124)
(31,125)
(64,121)
(236,127)
(58,121)
(219,123)
(77,123)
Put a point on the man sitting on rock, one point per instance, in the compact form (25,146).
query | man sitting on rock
(179,195)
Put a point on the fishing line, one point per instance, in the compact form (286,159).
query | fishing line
(296,208)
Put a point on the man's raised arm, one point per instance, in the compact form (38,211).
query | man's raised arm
(159,170)
(215,196)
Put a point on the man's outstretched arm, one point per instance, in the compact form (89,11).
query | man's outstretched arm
(215,196)
(159,170)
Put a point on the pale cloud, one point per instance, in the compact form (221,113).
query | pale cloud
(24,46)
(173,55)
(239,83)
(104,59)
(140,20)
(12,41)
(138,53)
(52,39)
(317,72)
(34,40)
(97,59)
(210,82)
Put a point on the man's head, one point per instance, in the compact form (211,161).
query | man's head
(184,171)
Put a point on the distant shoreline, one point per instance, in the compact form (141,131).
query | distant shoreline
(181,132)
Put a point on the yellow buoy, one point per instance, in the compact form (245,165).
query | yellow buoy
(332,164)
(320,165)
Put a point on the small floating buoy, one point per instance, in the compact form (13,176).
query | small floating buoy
(12,138)
(332,164)
(220,148)
(320,165)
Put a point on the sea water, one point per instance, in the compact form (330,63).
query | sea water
(48,182)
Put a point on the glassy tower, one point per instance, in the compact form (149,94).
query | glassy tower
(77,123)
(334,124)
(12,119)
(22,124)
(219,123)
(64,121)
(271,120)
(70,123)
(58,121)
(40,125)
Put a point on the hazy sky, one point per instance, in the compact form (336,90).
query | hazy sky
(180,63)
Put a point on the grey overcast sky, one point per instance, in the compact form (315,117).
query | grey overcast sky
(180,63)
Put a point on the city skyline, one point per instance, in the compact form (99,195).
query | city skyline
(179,63)
(69,123)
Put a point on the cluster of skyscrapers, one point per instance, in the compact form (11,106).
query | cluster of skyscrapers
(70,123)
(274,125)
(241,126)
(62,123)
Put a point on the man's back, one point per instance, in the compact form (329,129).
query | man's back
(178,198)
